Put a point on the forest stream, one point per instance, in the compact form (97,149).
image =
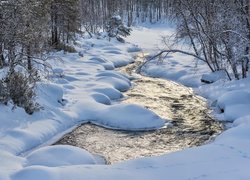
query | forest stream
(192,124)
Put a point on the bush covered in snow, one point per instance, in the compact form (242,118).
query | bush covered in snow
(19,89)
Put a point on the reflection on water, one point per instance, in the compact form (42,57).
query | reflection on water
(192,124)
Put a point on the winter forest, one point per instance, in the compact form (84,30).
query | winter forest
(218,32)
(168,78)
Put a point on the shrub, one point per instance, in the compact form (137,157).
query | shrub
(3,93)
(20,90)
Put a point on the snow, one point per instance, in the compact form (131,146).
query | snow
(236,111)
(134,49)
(101,98)
(117,83)
(59,155)
(112,93)
(232,97)
(83,89)
(107,65)
(136,118)
(213,76)
(235,104)
(227,100)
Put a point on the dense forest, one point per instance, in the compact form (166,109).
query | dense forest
(218,32)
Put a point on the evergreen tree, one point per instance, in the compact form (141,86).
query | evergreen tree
(117,29)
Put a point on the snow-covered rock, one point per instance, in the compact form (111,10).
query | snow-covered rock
(213,77)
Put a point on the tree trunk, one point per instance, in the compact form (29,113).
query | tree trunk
(2,62)
(29,59)
(247,51)
(54,29)
(11,55)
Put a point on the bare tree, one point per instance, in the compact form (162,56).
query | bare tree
(218,32)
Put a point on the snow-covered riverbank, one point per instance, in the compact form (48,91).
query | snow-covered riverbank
(191,122)
(88,90)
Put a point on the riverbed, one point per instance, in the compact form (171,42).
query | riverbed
(192,123)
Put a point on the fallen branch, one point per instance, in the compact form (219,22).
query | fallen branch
(177,51)
(168,51)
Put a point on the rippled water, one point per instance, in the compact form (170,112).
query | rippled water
(192,123)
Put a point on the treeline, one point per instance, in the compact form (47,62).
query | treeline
(218,31)
(96,12)
(29,27)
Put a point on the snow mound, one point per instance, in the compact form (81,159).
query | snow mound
(17,137)
(213,77)
(111,92)
(242,120)
(190,80)
(156,70)
(101,98)
(106,64)
(9,161)
(59,155)
(113,74)
(233,98)
(128,117)
(58,72)
(233,112)
(118,84)
(10,120)
(52,95)
(120,60)
(134,49)
(111,48)
(113,52)
(37,172)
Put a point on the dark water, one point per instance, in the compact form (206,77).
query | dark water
(192,123)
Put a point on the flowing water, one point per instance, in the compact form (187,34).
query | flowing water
(192,124)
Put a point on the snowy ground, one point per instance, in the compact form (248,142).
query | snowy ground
(83,90)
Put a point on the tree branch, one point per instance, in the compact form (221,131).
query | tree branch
(168,51)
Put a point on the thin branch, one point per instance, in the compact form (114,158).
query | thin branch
(236,33)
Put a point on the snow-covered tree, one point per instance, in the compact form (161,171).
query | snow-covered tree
(117,29)
(218,32)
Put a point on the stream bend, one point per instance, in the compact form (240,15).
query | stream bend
(192,124)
